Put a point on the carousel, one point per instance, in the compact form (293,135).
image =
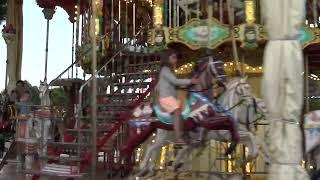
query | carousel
(258,65)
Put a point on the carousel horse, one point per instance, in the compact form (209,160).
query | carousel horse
(44,115)
(7,114)
(33,127)
(245,108)
(238,99)
(197,112)
(312,139)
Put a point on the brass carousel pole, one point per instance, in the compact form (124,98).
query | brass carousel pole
(234,44)
(315,13)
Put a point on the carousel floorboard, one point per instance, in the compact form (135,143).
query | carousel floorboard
(9,172)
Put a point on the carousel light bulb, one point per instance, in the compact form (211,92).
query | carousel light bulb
(75,18)
(311,167)
(225,65)
(231,64)
(260,67)
(139,149)
(253,69)
(176,71)
(76,6)
(154,134)
(153,141)
(76,12)
(247,67)
(190,65)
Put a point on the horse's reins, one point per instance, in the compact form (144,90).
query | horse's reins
(241,102)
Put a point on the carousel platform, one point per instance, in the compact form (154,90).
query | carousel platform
(9,172)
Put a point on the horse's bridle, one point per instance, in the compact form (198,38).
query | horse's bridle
(205,68)
(243,99)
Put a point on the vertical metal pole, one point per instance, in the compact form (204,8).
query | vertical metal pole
(134,19)
(198,9)
(126,21)
(306,75)
(178,15)
(315,13)
(119,25)
(242,63)
(174,13)
(46,58)
(112,21)
(234,44)
(72,54)
(221,11)
(170,12)
(94,88)
(77,33)
(6,79)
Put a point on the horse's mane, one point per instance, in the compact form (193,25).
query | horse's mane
(231,82)
(201,64)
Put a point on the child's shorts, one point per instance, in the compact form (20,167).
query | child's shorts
(169,104)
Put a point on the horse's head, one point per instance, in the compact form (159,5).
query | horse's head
(44,93)
(238,97)
(43,87)
(208,69)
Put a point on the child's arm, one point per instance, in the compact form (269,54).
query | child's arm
(168,75)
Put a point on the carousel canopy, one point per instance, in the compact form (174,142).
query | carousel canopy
(68,5)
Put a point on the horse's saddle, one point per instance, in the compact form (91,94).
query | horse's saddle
(167,117)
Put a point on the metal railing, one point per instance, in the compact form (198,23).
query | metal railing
(115,28)
(106,64)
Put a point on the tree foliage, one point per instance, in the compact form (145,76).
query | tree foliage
(58,97)
(3,10)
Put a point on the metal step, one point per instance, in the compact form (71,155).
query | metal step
(145,64)
(62,159)
(142,73)
(81,130)
(133,84)
(69,144)
(100,118)
(123,95)
(52,174)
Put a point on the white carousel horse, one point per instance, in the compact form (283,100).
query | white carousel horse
(44,94)
(44,115)
(34,128)
(312,138)
(243,105)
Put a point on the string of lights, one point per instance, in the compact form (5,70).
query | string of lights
(229,67)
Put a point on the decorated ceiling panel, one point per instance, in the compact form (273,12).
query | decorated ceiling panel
(211,33)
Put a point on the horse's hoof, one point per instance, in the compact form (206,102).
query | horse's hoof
(179,146)
(177,167)
(231,149)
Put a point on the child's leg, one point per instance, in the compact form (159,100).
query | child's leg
(178,126)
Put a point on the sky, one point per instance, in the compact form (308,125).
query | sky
(34,40)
